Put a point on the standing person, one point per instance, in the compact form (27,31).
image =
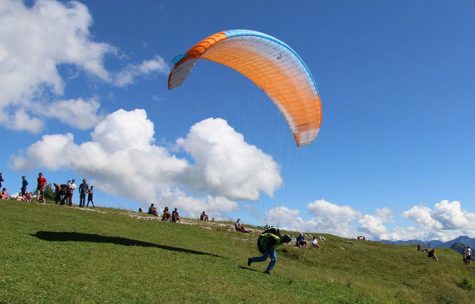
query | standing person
(66,199)
(468,254)
(71,188)
(40,188)
(1,179)
(267,243)
(90,197)
(24,184)
(83,189)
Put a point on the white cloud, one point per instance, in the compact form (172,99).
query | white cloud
(324,217)
(445,221)
(147,67)
(123,160)
(450,215)
(125,130)
(372,226)
(225,165)
(53,34)
(422,215)
(289,219)
(21,120)
(78,113)
(51,152)
(333,218)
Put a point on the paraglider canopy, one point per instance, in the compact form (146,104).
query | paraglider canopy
(272,65)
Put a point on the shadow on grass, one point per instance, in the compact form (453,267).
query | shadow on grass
(247,268)
(95,238)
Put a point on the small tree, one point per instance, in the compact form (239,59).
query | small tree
(49,192)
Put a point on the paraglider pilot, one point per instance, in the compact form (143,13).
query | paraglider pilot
(267,244)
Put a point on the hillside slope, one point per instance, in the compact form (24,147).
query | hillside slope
(56,254)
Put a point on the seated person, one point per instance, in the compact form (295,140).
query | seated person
(315,242)
(175,216)
(431,254)
(27,197)
(301,242)
(240,227)
(166,216)
(140,210)
(4,194)
(203,216)
(152,210)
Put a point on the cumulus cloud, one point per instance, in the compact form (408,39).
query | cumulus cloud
(333,218)
(78,113)
(324,217)
(123,160)
(289,219)
(21,120)
(50,152)
(444,222)
(52,34)
(225,164)
(127,75)
(422,215)
(375,225)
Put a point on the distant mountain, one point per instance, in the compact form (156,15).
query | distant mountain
(454,244)
(458,247)
(465,240)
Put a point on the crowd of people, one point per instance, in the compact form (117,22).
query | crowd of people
(63,193)
(167,216)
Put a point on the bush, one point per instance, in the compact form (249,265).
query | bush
(49,192)
(465,284)
(448,300)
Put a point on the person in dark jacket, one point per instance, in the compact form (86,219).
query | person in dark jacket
(24,185)
(269,242)
(83,189)
(175,216)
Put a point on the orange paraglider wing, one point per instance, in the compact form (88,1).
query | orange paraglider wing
(269,63)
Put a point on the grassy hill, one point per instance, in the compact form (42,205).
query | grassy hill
(57,254)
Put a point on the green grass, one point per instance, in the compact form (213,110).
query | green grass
(57,254)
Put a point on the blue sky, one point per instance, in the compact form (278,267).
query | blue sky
(394,157)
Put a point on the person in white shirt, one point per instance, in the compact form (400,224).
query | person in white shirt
(467,253)
(71,188)
(315,242)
